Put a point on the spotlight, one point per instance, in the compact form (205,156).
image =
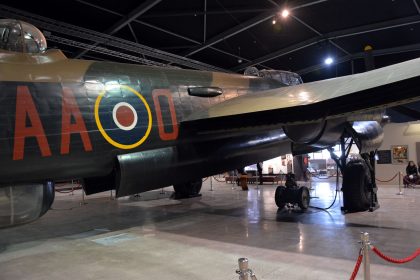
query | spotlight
(285,13)
(328,61)
(274,21)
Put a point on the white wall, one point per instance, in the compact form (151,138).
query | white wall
(276,163)
(394,135)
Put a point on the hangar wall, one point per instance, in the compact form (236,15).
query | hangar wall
(394,135)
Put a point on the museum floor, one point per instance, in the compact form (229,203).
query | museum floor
(154,237)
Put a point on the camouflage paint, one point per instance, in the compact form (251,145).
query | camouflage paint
(56,113)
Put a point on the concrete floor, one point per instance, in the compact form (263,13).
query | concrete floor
(155,237)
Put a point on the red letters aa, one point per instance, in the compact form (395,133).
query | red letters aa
(25,107)
(69,108)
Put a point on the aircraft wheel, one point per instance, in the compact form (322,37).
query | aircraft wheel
(188,189)
(356,186)
(303,198)
(280,197)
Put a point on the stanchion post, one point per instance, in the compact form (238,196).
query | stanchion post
(83,198)
(211,183)
(399,183)
(366,260)
(72,187)
(310,180)
(244,272)
(243,269)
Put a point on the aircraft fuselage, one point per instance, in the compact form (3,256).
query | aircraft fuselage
(64,119)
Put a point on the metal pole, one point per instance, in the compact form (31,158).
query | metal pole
(399,184)
(366,260)
(72,187)
(310,180)
(243,269)
(337,179)
(83,198)
(211,183)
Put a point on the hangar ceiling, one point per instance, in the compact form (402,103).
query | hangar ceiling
(231,35)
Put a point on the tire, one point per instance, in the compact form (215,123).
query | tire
(356,186)
(188,189)
(304,198)
(280,197)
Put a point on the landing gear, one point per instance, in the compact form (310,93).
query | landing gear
(357,193)
(188,189)
(359,186)
(292,194)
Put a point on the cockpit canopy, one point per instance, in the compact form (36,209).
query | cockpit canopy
(19,36)
(285,77)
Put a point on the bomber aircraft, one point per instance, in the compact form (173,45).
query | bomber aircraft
(136,128)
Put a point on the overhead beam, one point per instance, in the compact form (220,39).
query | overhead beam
(331,36)
(417,6)
(161,29)
(105,51)
(319,34)
(361,55)
(141,9)
(242,27)
(58,27)
(201,13)
(205,22)
(407,112)
(311,28)
(133,33)
(231,32)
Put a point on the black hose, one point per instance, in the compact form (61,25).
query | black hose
(336,192)
(332,204)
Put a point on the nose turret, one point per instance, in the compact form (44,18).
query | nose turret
(19,36)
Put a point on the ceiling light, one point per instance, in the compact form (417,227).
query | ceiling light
(328,60)
(274,21)
(285,13)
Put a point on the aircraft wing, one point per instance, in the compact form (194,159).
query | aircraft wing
(320,100)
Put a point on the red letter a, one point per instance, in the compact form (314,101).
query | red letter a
(69,108)
(25,107)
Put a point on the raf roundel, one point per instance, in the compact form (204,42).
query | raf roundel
(123,117)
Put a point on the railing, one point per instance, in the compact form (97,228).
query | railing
(245,273)
(364,257)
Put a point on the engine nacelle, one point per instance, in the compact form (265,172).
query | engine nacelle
(368,136)
(321,134)
(24,203)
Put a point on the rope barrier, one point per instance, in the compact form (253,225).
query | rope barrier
(330,176)
(357,266)
(364,256)
(205,179)
(393,260)
(63,191)
(386,181)
(69,190)
(220,181)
